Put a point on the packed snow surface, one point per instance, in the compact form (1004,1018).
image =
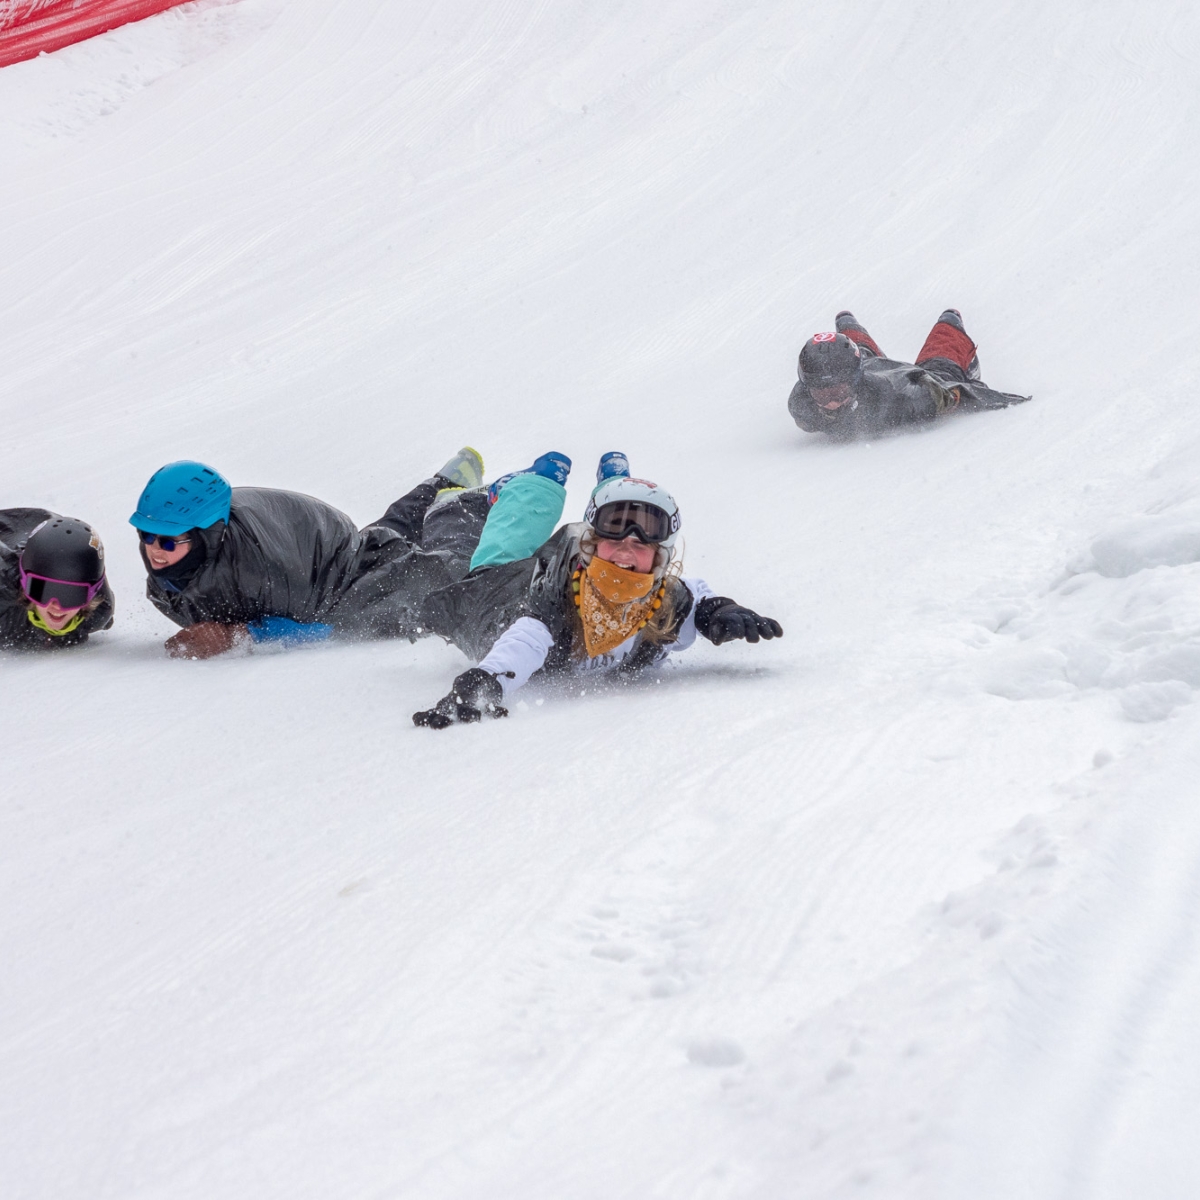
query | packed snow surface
(904,905)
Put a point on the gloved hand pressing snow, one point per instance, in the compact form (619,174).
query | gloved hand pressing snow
(722,620)
(206,640)
(473,693)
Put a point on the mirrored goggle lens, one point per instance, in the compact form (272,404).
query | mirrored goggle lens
(834,396)
(167,543)
(618,520)
(69,595)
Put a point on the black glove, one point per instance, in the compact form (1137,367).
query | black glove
(722,620)
(473,693)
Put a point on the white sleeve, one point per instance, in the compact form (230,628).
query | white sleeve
(521,649)
(687,631)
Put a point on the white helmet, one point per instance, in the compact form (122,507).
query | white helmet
(621,506)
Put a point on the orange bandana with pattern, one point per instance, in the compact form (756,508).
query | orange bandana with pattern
(614,603)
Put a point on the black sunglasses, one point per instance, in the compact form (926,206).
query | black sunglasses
(166,543)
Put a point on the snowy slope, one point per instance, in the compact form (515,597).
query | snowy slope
(901,906)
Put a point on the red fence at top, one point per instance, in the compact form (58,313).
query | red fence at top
(31,27)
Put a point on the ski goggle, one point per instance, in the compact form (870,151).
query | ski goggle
(41,589)
(833,396)
(166,543)
(623,518)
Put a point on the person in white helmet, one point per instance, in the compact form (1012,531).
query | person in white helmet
(603,595)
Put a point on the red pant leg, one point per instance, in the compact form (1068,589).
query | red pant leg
(944,341)
(860,337)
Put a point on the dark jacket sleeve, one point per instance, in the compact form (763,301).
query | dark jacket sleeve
(16,524)
(916,397)
(14,625)
(804,412)
(978,397)
(281,555)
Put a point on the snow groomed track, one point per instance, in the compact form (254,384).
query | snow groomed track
(901,906)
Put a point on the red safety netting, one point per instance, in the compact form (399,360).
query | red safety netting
(29,27)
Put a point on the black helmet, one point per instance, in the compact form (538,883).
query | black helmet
(829,359)
(62,558)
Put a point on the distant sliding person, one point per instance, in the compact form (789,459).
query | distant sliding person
(604,596)
(236,566)
(848,388)
(53,589)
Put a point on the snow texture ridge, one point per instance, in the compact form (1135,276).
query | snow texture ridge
(1126,618)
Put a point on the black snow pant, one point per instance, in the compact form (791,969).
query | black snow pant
(414,548)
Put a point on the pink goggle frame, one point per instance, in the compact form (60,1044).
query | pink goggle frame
(70,594)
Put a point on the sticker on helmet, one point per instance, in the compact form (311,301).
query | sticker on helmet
(644,482)
(824,337)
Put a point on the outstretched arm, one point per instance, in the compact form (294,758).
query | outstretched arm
(519,651)
(207,639)
(802,410)
(472,694)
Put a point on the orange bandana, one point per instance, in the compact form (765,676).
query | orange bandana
(613,604)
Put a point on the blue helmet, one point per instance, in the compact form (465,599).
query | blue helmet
(182,496)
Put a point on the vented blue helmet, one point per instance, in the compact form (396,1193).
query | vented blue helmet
(182,496)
